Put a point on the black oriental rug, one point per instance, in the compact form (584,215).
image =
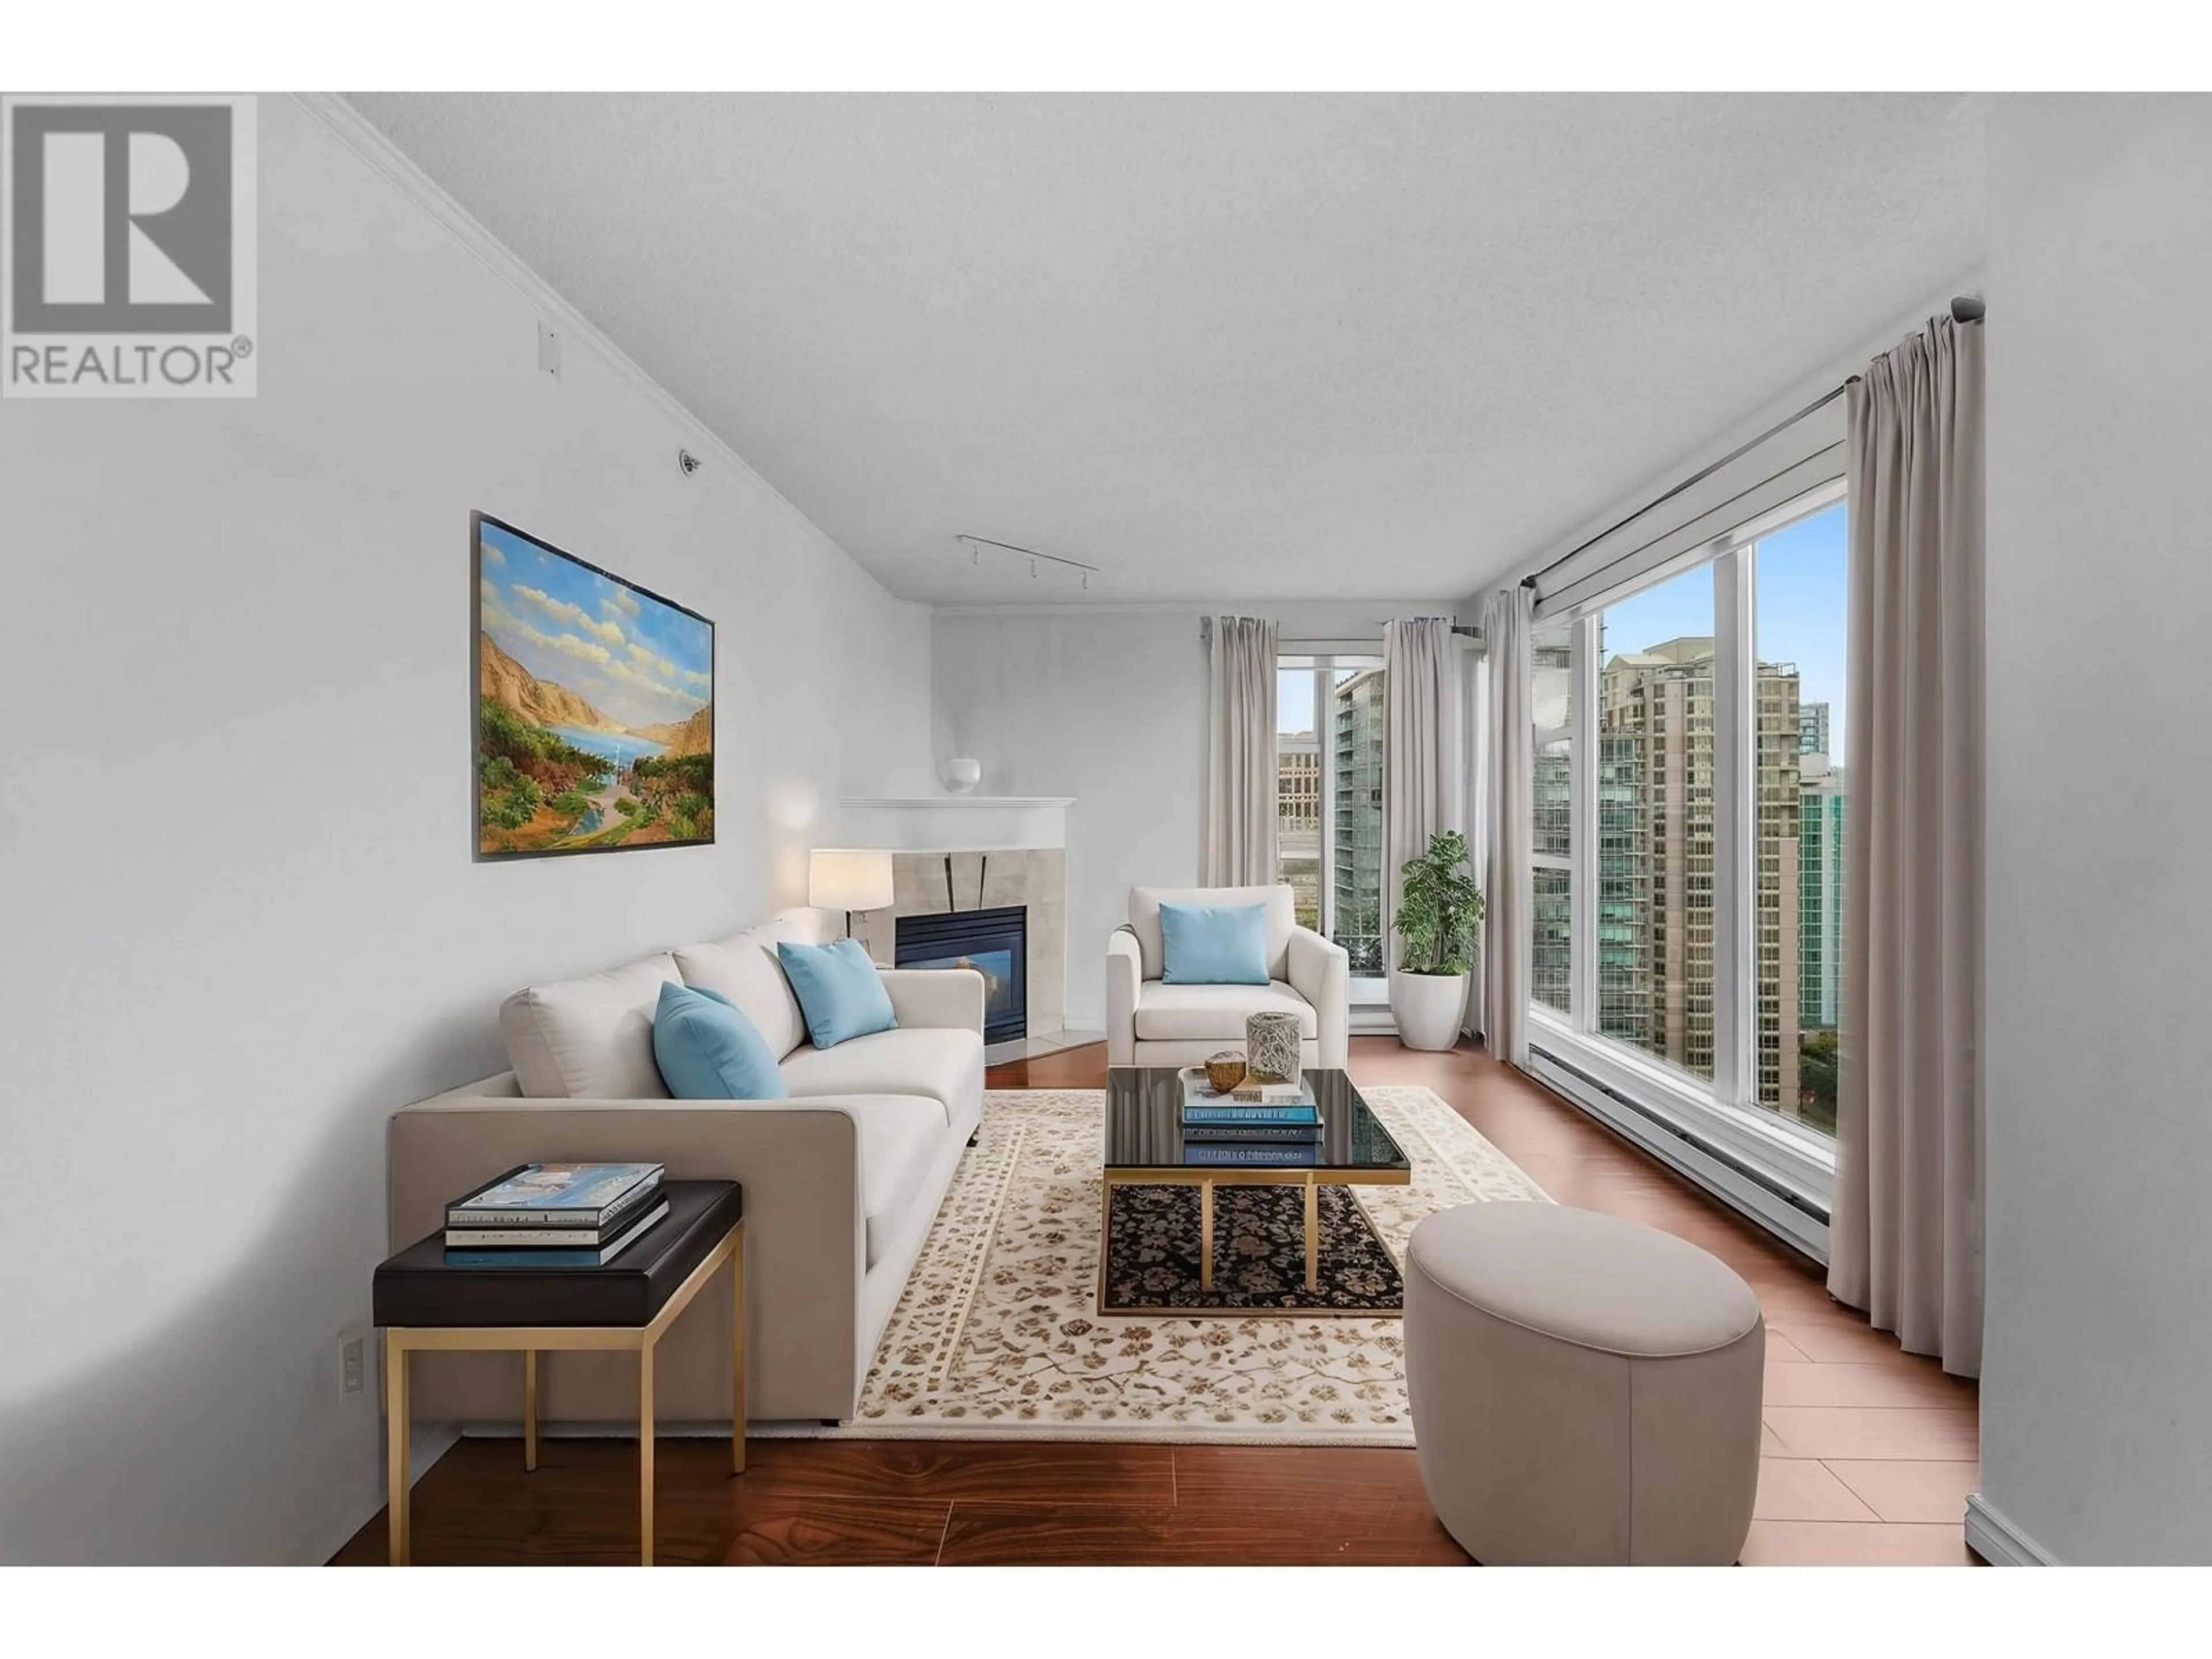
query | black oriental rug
(1258,1254)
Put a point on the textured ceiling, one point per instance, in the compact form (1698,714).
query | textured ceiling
(1301,346)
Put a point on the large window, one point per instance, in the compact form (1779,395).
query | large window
(1803,586)
(1688,855)
(1328,769)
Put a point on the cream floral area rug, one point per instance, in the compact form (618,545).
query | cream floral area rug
(998,1336)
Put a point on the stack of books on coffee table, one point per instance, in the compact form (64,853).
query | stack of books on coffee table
(1275,1114)
(554,1215)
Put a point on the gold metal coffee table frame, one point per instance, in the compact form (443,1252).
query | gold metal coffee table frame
(1312,1179)
(401,1341)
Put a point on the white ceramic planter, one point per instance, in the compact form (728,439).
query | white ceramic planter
(1428,1008)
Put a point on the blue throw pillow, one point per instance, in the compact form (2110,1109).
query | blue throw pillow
(839,991)
(707,1050)
(1214,943)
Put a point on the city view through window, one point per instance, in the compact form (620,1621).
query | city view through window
(1804,586)
(1329,770)
(1653,796)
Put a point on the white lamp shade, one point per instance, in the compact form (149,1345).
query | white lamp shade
(841,878)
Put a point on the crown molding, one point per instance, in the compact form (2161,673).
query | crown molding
(399,170)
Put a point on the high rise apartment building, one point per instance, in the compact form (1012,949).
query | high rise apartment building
(1820,893)
(1656,830)
(1356,717)
(1298,820)
(1552,954)
(1812,728)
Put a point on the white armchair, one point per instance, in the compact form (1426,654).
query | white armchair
(1150,1023)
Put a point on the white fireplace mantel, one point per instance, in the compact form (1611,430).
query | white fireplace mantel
(927,824)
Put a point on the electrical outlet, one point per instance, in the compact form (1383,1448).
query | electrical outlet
(353,1365)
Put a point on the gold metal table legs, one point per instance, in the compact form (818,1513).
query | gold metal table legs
(1313,1235)
(1205,1236)
(737,1351)
(1206,1233)
(397,1449)
(530,1410)
(400,1343)
(1311,1182)
(645,1456)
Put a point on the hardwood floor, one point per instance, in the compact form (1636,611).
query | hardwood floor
(1868,1453)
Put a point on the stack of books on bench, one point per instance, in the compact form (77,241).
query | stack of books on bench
(554,1215)
(1268,1115)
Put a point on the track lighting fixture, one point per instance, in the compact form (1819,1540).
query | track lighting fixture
(977,544)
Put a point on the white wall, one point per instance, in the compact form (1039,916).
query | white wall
(242,922)
(2096,1440)
(1107,706)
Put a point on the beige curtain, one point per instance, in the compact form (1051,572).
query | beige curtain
(1906,1237)
(1474,806)
(1240,752)
(1509,906)
(1421,739)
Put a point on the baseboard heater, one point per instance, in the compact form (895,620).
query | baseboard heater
(1790,1216)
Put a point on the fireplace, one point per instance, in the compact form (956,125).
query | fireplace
(1014,887)
(995,943)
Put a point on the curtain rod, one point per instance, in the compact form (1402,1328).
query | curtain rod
(1205,627)
(1965,308)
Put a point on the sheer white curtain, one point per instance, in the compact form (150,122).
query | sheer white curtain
(1507,931)
(1240,752)
(1421,745)
(1905,1235)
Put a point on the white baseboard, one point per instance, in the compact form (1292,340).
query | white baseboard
(428,1442)
(1803,1233)
(1999,1542)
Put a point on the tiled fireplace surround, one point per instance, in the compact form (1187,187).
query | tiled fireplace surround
(1035,878)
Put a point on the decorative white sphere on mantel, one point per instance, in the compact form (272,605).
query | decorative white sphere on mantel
(961,775)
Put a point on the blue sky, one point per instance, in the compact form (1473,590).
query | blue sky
(1803,590)
(1294,695)
(635,659)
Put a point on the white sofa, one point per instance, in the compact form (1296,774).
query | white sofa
(841,1179)
(1150,1023)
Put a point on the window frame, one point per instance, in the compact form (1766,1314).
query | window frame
(1726,1112)
(1541,738)
(1321,661)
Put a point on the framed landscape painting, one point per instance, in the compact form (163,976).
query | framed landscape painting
(594,706)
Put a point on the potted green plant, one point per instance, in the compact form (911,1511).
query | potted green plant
(1439,910)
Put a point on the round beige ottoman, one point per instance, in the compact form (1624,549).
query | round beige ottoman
(1585,1391)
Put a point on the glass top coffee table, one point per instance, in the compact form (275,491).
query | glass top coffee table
(1144,1146)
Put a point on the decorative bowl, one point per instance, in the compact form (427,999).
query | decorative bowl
(1225,1071)
(961,775)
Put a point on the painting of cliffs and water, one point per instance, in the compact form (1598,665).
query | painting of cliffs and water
(595,706)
